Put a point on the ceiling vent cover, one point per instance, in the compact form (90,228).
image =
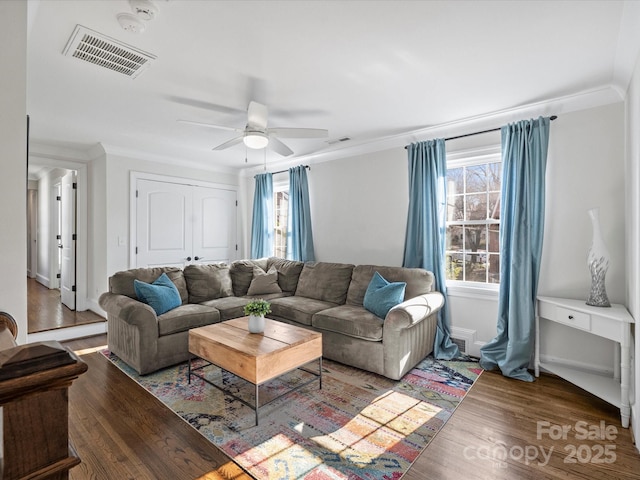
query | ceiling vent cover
(107,52)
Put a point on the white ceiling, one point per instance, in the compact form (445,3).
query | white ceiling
(361,69)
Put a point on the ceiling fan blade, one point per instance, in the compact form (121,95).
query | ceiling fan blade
(279,147)
(299,132)
(257,115)
(192,102)
(229,143)
(211,125)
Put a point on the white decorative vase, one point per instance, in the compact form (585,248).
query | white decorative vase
(598,262)
(256,323)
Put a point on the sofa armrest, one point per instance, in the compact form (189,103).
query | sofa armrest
(129,310)
(414,310)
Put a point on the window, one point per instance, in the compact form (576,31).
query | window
(473,221)
(280,215)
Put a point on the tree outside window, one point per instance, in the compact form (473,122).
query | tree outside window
(473,223)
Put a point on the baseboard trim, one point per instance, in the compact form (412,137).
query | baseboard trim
(43,280)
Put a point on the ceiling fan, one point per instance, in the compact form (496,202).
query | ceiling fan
(257,135)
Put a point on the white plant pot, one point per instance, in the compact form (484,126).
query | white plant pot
(256,323)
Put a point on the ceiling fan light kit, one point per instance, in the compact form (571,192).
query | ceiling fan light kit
(257,136)
(255,140)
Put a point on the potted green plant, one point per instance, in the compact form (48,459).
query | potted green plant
(256,310)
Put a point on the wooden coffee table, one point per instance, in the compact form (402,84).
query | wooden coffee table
(256,357)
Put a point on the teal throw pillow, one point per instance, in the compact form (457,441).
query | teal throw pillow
(381,295)
(162,295)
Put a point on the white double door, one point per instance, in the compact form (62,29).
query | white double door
(178,224)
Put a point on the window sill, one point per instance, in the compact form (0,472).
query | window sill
(466,290)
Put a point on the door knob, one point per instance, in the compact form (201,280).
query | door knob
(188,259)
(196,258)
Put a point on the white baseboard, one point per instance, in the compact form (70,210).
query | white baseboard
(43,280)
(68,333)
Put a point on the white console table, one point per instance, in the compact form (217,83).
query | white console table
(613,323)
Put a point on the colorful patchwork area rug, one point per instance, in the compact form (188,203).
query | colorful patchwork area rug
(359,426)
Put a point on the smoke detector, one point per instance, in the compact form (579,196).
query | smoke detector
(144,9)
(131,23)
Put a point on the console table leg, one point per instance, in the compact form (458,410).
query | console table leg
(625,361)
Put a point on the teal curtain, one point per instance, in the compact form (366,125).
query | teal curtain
(262,223)
(524,162)
(424,245)
(299,232)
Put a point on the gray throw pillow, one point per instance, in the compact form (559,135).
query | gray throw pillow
(264,283)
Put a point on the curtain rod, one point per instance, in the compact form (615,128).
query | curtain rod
(553,117)
(285,171)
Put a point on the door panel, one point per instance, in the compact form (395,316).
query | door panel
(68,242)
(214,229)
(164,216)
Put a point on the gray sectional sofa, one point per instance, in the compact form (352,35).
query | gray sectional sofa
(326,297)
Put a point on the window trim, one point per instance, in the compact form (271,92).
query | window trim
(471,157)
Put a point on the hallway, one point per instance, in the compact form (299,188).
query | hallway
(45,311)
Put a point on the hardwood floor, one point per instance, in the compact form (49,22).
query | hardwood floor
(46,312)
(120,431)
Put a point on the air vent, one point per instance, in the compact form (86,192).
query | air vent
(461,343)
(107,52)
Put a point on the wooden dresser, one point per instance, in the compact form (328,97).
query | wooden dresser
(34,383)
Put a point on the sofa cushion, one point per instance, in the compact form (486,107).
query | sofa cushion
(206,282)
(121,283)
(162,295)
(229,307)
(381,295)
(418,280)
(186,317)
(350,320)
(241,272)
(263,282)
(288,273)
(298,309)
(324,281)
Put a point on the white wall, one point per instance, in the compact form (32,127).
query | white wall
(585,170)
(359,207)
(13,159)
(97,229)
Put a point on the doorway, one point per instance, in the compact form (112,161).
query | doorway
(52,299)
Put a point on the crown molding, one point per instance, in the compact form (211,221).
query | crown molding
(604,95)
(173,160)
